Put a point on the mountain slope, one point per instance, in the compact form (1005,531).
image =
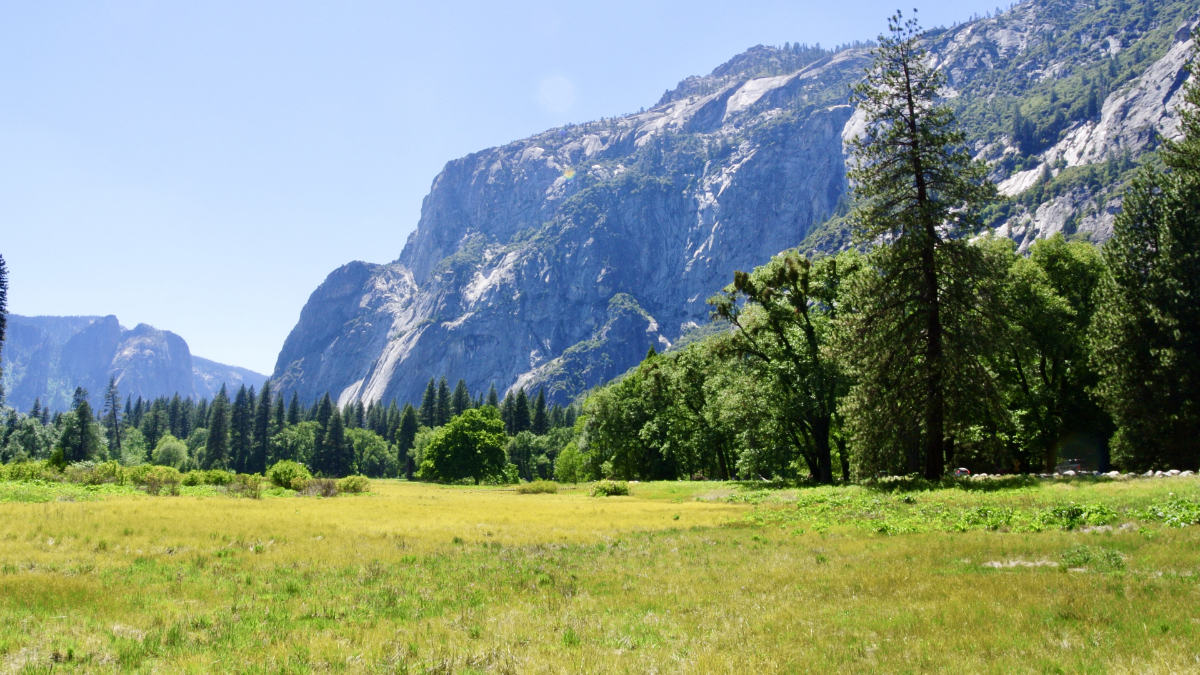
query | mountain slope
(524,252)
(47,357)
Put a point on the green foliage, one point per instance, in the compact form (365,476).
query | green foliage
(1174,511)
(289,474)
(610,488)
(469,446)
(570,464)
(295,443)
(372,455)
(538,487)
(354,484)
(209,477)
(170,451)
(1096,558)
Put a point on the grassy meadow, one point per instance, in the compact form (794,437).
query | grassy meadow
(1070,577)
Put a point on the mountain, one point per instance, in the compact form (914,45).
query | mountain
(208,376)
(47,357)
(559,259)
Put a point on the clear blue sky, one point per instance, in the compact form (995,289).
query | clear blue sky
(202,166)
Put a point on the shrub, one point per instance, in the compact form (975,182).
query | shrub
(538,487)
(154,479)
(1074,515)
(354,484)
(321,487)
(27,471)
(170,451)
(610,488)
(289,474)
(210,477)
(247,485)
(88,473)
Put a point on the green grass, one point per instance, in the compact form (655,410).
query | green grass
(678,577)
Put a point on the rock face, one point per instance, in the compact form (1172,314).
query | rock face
(208,376)
(47,357)
(558,260)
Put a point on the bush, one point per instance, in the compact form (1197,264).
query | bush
(170,451)
(538,487)
(210,477)
(289,474)
(27,471)
(354,484)
(247,485)
(88,473)
(154,479)
(610,488)
(321,487)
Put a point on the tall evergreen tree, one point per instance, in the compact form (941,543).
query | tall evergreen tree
(405,435)
(1146,334)
(540,425)
(427,415)
(442,409)
(919,332)
(36,411)
(261,442)
(278,416)
(462,399)
(293,413)
(241,425)
(112,416)
(336,458)
(80,442)
(216,455)
(520,413)
(393,421)
(323,411)
(506,412)
(570,416)
(493,399)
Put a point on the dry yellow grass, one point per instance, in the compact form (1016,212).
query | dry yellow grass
(419,578)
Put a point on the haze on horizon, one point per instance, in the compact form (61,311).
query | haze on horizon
(203,168)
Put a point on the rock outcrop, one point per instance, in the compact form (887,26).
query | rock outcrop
(558,260)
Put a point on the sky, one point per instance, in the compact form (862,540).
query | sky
(201,167)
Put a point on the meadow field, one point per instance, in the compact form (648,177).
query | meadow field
(1038,577)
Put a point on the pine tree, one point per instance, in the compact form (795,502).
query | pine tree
(492,398)
(442,409)
(918,331)
(462,399)
(241,426)
(520,414)
(36,411)
(279,416)
(570,416)
(293,414)
(334,459)
(392,423)
(541,421)
(506,412)
(405,435)
(112,416)
(216,455)
(261,442)
(428,414)
(322,413)
(80,442)
(128,410)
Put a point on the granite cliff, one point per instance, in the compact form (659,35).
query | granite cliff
(47,357)
(559,259)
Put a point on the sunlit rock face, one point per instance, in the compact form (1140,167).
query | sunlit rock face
(558,260)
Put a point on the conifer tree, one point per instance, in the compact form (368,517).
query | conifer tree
(293,414)
(392,423)
(570,416)
(279,416)
(492,398)
(241,426)
(324,410)
(506,412)
(80,442)
(261,441)
(334,460)
(405,435)
(216,454)
(128,417)
(540,425)
(112,416)
(918,333)
(427,415)
(442,409)
(520,414)
(462,399)
(36,411)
